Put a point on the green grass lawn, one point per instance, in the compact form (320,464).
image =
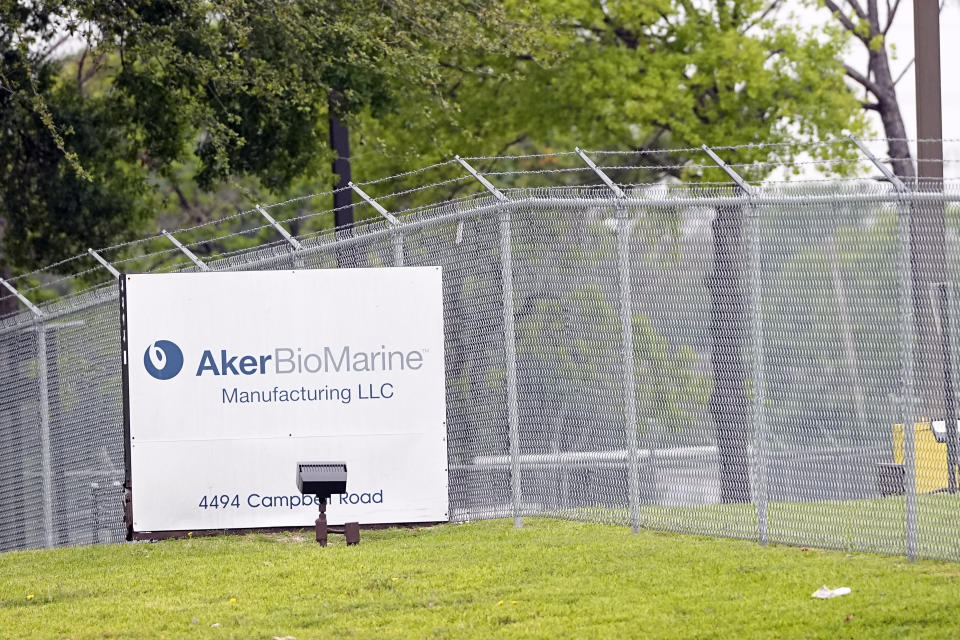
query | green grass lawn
(872,525)
(551,579)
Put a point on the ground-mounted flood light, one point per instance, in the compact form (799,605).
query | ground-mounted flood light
(324,479)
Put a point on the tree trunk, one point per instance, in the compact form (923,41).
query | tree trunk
(8,302)
(729,329)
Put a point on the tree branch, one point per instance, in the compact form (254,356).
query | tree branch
(862,80)
(53,47)
(891,12)
(873,15)
(770,9)
(904,72)
(844,20)
(652,140)
(579,26)
(663,165)
(623,34)
(83,58)
(182,199)
(857,8)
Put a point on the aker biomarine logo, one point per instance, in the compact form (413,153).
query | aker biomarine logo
(163,359)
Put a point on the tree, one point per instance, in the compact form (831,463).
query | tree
(232,87)
(868,23)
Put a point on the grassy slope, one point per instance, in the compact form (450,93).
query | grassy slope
(551,579)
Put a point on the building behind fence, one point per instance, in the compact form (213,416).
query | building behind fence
(728,360)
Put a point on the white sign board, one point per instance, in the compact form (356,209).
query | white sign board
(233,378)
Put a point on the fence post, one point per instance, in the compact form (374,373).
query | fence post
(509,338)
(944,296)
(953,434)
(908,404)
(907,382)
(46,463)
(397,235)
(46,471)
(627,352)
(398,258)
(756,347)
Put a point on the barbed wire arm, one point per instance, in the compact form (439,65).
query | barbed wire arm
(33,308)
(486,183)
(398,254)
(392,219)
(740,182)
(283,232)
(889,175)
(603,176)
(106,265)
(190,254)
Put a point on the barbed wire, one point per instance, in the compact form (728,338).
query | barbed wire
(754,145)
(24,276)
(49,276)
(267,245)
(538,171)
(171,250)
(197,243)
(302,198)
(130,243)
(442,183)
(227,236)
(407,174)
(556,154)
(308,216)
(211,223)
(73,276)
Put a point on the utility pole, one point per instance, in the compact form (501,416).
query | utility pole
(343,194)
(926,43)
(929,221)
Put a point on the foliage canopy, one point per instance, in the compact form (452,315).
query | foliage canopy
(211,95)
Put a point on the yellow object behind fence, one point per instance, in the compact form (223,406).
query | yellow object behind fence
(931,456)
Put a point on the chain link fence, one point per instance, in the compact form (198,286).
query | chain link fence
(724,360)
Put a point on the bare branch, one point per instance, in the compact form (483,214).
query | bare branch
(669,166)
(842,17)
(773,6)
(891,12)
(652,140)
(873,15)
(862,80)
(904,72)
(909,64)
(857,8)
(872,106)
(53,47)
(83,58)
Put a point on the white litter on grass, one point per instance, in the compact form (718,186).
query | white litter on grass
(825,592)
